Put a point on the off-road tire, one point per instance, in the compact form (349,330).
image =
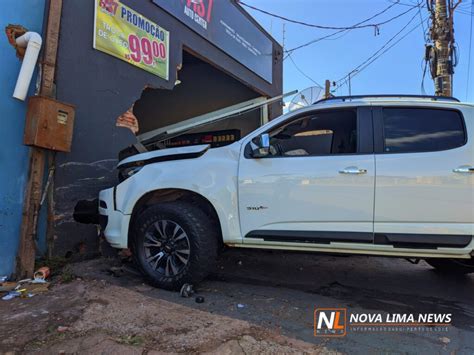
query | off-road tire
(452,266)
(202,236)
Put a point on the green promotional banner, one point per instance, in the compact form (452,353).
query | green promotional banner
(129,36)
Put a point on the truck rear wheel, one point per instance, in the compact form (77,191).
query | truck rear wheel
(453,266)
(174,243)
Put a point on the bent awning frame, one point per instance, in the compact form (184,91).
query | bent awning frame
(161,134)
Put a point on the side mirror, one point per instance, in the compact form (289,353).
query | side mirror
(261,146)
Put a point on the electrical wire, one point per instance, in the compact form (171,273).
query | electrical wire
(357,26)
(463,12)
(344,80)
(425,34)
(466,8)
(303,73)
(356,69)
(344,30)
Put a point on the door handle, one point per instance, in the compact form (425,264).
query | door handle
(353,170)
(464,170)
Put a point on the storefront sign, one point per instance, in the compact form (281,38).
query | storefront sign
(127,35)
(225,26)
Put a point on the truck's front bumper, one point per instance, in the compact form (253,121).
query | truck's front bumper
(114,223)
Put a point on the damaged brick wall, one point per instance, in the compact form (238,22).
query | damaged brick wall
(102,88)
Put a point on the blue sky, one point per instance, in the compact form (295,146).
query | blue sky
(397,71)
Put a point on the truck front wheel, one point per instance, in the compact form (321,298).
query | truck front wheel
(174,243)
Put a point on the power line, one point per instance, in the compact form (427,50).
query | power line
(377,54)
(302,72)
(465,12)
(425,35)
(373,60)
(344,30)
(386,50)
(469,55)
(314,41)
(356,26)
(380,49)
(466,8)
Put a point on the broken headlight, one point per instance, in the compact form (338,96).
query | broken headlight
(128,172)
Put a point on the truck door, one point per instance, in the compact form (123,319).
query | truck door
(317,185)
(424,195)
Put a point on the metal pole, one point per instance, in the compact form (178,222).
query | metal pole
(350,89)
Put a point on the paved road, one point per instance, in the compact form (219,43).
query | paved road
(280,290)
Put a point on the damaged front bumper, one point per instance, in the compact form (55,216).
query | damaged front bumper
(114,224)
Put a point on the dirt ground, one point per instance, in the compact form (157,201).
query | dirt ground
(255,302)
(94,315)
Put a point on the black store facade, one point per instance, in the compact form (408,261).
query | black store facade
(217,55)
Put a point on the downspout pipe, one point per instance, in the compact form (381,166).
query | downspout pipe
(32,42)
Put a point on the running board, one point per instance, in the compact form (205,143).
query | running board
(410,241)
(319,237)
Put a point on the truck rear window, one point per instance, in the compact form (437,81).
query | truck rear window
(409,130)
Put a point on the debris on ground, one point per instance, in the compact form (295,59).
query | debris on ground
(115,271)
(199,299)
(89,316)
(186,290)
(42,273)
(62,329)
(240,305)
(119,271)
(445,340)
(7,286)
(11,295)
(35,287)
(25,288)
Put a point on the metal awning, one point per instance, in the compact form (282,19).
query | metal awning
(176,129)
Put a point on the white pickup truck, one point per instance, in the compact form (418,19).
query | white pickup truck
(379,175)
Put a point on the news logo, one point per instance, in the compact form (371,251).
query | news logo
(330,322)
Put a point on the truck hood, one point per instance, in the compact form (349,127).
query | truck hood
(168,154)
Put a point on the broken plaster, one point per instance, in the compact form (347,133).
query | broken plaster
(128,120)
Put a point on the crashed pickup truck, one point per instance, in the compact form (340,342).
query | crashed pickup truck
(387,175)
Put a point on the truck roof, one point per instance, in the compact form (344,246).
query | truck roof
(393,98)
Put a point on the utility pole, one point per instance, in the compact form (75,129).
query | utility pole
(327,89)
(442,51)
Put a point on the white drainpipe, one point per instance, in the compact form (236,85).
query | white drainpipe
(32,42)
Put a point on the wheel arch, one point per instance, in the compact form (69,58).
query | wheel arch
(175,194)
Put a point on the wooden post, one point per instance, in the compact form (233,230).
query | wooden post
(51,47)
(27,248)
(327,89)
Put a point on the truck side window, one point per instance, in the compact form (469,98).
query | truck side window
(323,133)
(410,130)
